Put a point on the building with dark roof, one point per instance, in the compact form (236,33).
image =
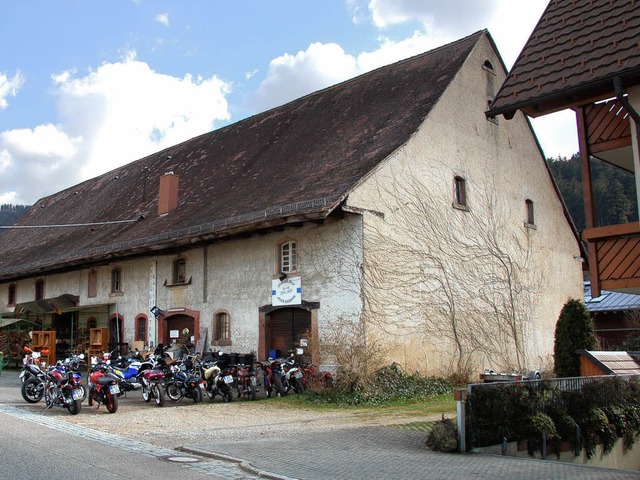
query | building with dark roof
(585,55)
(386,210)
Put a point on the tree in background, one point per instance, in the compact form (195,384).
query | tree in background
(614,191)
(574,331)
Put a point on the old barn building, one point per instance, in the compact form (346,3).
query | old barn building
(386,214)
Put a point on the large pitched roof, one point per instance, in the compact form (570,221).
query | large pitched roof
(294,162)
(572,56)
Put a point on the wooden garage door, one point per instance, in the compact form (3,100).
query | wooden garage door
(287,326)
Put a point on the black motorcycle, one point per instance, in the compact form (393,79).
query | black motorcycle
(184,382)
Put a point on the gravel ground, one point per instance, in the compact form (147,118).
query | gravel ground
(183,423)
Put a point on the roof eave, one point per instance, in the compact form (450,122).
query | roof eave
(558,100)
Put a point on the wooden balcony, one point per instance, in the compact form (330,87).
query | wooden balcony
(616,251)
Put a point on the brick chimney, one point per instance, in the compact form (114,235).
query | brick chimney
(168,198)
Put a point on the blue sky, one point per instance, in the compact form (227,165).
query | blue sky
(87,86)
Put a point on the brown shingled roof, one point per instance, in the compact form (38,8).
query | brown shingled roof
(572,56)
(294,162)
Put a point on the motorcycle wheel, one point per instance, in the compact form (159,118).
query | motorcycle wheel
(85,392)
(158,394)
(146,393)
(226,394)
(252,392)
(74,407)
(90,396)
(279,388)
(49,394)
(296,385)
(196,394)
(33,390)
(173,391)
(111,403)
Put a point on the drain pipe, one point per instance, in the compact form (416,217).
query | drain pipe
(617,87)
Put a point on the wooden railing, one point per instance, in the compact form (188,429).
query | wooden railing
(616,250)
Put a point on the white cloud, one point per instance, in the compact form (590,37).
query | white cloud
(292,76)
(162,18)
(9,87)
(321,65)
(116,114)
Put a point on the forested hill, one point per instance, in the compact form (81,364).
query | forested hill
(614,191)
(9,214)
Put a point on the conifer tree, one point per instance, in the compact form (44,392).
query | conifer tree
(574,331)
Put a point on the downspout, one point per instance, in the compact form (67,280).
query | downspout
(617,88)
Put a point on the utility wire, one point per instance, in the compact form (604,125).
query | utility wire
(70,224)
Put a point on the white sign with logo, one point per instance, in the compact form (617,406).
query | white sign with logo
(286,292)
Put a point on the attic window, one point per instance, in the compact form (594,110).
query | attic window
(460,193)
(529,214)
(487,65)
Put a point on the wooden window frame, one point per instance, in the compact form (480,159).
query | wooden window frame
(288,257)
(219,337)
(141,320)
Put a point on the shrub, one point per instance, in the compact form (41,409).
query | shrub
(442,437)
(574,331)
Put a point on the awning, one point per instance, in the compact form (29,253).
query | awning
(61,304)
(5,322)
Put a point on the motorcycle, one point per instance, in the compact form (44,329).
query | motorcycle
(62,390)
(273,378)
(30,365)
(103,387)
(215,380)
(292,375)
(184,382)
(33,388)
(151,376)
(247,383)
(127,372)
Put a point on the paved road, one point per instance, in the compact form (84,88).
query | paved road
(347,451)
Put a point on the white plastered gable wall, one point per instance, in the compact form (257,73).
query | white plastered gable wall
(415,292)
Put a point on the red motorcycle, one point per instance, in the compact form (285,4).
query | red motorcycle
(247,383)
(103,388)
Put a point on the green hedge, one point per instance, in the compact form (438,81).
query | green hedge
(604,408)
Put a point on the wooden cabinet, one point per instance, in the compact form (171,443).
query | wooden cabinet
(98,342)
(45,343)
